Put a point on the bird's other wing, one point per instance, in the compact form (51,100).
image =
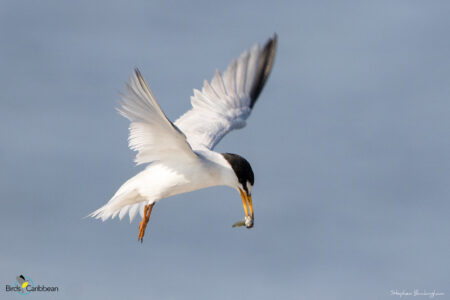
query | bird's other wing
(226,102)
(151,133)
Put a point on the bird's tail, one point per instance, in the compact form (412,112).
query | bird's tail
(126,199)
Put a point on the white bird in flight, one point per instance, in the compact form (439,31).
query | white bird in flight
(180,155)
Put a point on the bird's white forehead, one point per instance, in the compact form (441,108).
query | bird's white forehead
(249,187)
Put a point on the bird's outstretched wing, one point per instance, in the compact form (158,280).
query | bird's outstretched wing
(151,133)
(226,102)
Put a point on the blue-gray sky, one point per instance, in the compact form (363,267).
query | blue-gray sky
(349,142)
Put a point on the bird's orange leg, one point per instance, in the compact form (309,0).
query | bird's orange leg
(144,222)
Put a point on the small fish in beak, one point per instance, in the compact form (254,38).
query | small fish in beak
(247,203)
(247,222)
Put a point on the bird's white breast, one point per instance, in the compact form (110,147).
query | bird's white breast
(161,180)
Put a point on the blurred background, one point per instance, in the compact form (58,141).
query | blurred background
(349,142)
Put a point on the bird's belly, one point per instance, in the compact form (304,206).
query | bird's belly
(160,181)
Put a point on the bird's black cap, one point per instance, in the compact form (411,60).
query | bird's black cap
(241,168)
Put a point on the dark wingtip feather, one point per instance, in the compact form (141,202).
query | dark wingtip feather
(265,63)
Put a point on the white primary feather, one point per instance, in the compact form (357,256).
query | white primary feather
(151,133)
(226,102)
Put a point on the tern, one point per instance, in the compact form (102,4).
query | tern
(180,155)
